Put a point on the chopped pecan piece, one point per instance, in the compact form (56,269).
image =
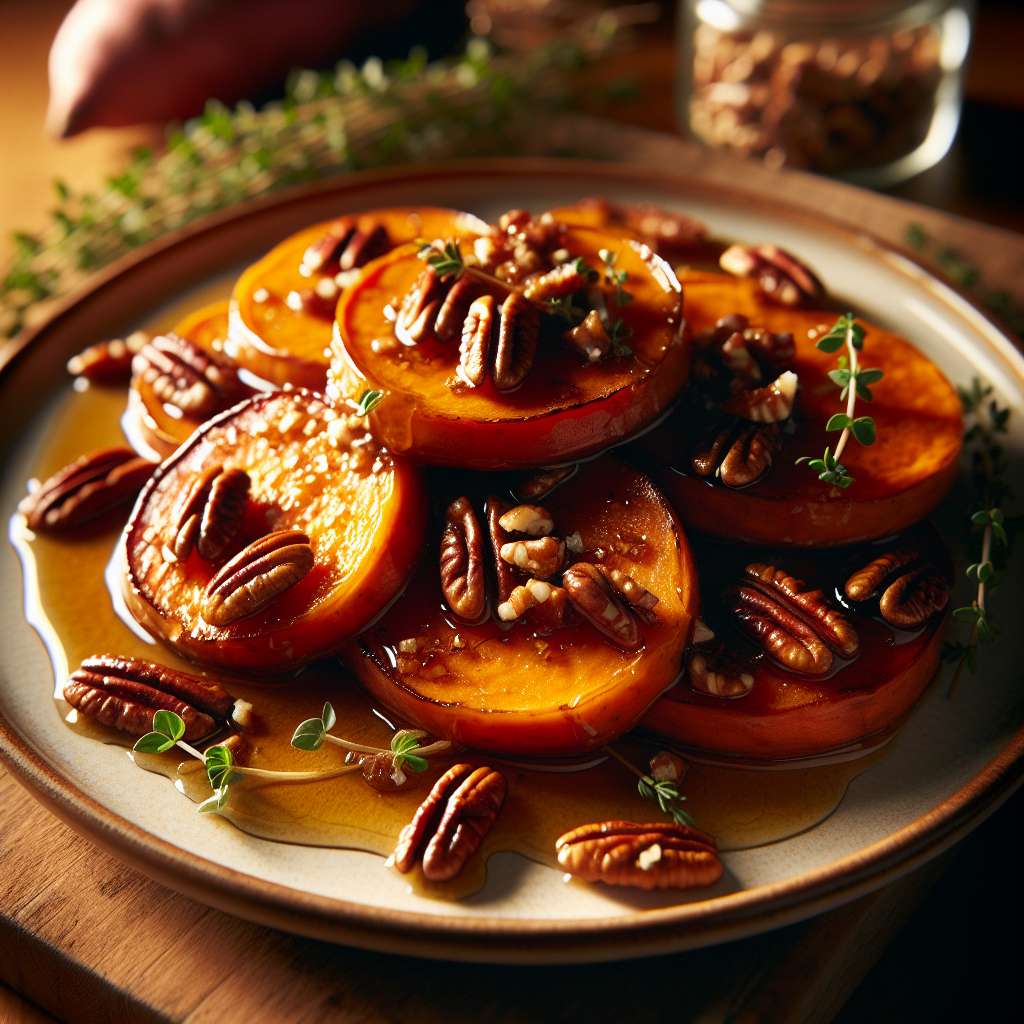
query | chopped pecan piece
(451,823)
(770,404)
(257,576)
(913,598)
(780,276)
(658,855)
(183,375)
(463,582)
(210,513)
(477,338)
(636,595)
(539,556)
(717,675)
(86,489)
(555,284)
(379,772)
(518,333)
(739,455)
(534,520)
(123,693)
(593,597)
(667,767)
(419,307)
(794,625)
(531,594)
(590,337)
(542,483)
(108,362)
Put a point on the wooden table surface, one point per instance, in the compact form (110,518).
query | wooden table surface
(85,938)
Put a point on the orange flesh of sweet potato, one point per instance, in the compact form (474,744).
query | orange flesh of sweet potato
(565,408)
(786,715)
(898,480)
(365,527)
(533,691)
(288,346)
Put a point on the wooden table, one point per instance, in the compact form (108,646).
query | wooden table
(87,939)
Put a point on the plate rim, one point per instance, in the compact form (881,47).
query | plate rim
(682,926)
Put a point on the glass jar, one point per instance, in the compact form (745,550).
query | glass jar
(867,90)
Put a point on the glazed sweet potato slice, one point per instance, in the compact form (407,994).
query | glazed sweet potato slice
(321,539)
(738,702)
(164,401)
(546,683)
(898,480)
(282,307)
(460,354)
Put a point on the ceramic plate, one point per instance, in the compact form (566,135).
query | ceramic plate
(952,764)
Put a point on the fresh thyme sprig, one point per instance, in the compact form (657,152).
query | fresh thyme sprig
(446,260)
(962,272)
(405,744)
(664,792)
(854,382)
(988,421)
(329,123)
(616,278)
(221,771)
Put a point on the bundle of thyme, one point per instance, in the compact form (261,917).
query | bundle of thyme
(351,118)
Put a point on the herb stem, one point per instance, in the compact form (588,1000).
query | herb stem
(851,398)
(611,752)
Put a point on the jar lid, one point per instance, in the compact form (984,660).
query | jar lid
(818,14)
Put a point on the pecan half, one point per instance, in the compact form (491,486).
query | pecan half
(718,675)
(344,247)
(518,333)
(539,556)
(123,693)
(419,307)
(257,576)
(210,513)
(108,362)
(495,511)
(636,595)
(463,582)
(449,826)
(540,484)
(868,582)
(86,489)
(913,598)
(794,625)
(477,338)
(770,404)
(780,276)
(658,855)
(454,308)
(593,597)
(739,455)
(185,376)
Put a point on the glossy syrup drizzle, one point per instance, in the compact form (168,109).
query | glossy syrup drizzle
(742,807)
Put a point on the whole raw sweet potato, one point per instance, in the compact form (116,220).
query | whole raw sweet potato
(118,62)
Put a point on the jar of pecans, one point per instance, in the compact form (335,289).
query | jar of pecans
(868,90)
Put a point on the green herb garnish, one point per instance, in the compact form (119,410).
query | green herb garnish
(446,261)
(310,734)
(368,401)
(616,278)
(988,422)
(168,728)
(854,382)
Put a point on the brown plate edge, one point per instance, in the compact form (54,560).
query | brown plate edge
(528,940)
